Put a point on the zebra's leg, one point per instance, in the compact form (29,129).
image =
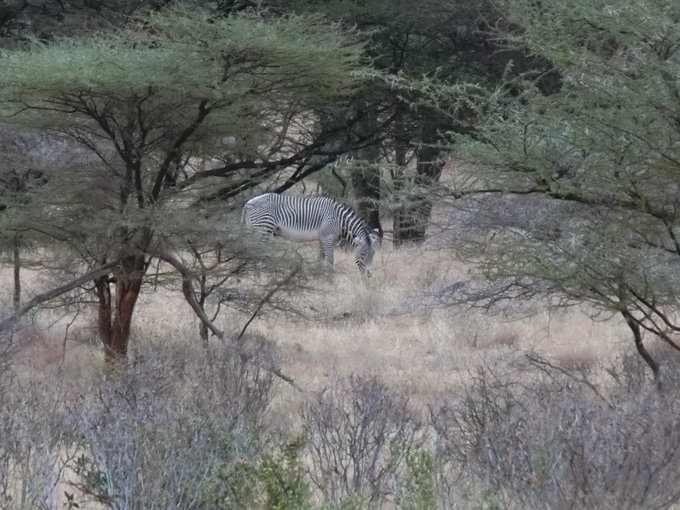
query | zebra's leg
(327,247)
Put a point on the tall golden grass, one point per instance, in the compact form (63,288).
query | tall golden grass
(380,329)
(354,326)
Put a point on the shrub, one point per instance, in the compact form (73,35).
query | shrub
(360,435)
(33,436)
(274,481)
(158,431)
(418,490)
(549,439)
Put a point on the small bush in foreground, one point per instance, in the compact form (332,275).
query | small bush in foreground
(155,434)
(541,437)
(360,435)
(274,481)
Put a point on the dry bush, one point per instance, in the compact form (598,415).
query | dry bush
(543,437)
(7,349)
(360,435)
(505,337)
(155,433)
(178,427)
(33,428)
(33,432)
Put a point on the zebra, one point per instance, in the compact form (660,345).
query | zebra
(313,218)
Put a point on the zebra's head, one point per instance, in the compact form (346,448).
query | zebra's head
(365,248)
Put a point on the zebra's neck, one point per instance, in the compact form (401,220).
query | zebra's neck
(352,226)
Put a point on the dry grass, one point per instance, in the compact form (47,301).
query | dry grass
(354,330)
(357,327)
(424,351)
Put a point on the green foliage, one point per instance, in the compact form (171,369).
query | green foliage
(93,480)
(603,151)
(489,502)
(274,482)
(297,48)
(71,502)
(416,37)
(179,56)
(283,478)
(332,181)
(179,84)
(419,491)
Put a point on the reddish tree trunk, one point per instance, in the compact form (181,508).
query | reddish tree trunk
(115,317)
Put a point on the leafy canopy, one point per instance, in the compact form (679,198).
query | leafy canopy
(604,152)
(180,55)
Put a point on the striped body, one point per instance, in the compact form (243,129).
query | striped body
(310,219)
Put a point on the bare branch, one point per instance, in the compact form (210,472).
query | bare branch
(187,289)
(543,364)
(51,294)
(266,299)
(203,111)
(634,326)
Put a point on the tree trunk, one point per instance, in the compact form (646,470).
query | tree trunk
(115,316)
(16,261)
(366,181)
(366,184)
(642,351)
(202,327)
(412,218)
(104,309)
(9,11)
(399,177)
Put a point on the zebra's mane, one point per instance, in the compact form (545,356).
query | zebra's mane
(346,234)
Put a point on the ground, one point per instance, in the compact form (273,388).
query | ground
(382,329)
(356,325)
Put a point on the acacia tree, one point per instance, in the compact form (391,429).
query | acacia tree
(176,108)
(601,156)
(409,38)
(17,194)
(444,42)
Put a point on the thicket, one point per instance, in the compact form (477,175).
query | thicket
(592,167)
(196,430)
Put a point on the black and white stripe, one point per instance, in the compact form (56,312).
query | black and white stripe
(312,218)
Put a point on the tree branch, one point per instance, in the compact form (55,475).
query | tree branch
(187,289)
(639,345)
(570,197)
(51,294)
(203,112)
(266,298)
